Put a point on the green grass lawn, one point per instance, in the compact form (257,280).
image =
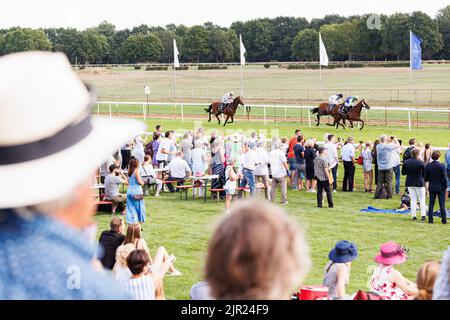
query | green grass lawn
(184,226)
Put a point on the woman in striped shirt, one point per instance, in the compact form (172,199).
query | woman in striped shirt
(144,279)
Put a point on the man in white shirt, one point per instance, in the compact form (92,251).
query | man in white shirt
(348,158)
(178,170)
(332,157)
(278,167)
(395,162)
(249,161)
(164,149)
(261,170)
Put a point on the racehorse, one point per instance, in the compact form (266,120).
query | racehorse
(355,114)
(229,110)
(324,110)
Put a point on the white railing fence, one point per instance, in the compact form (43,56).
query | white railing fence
(411,114)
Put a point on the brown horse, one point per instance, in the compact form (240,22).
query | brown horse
(355,114)
(229,111)
(324,110)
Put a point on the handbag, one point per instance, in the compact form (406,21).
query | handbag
(138,197)
(330,177)
(360,160)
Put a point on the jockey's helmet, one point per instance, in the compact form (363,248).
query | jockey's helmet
(231,94)
(340,95)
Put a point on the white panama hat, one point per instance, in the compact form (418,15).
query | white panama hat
(49,143)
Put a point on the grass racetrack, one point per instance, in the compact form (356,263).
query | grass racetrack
(184,226)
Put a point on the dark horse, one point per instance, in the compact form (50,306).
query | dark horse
(355,114)
(324,110)
(229,110)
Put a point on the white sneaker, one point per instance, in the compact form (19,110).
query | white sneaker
(175,273)
(334,190)
(157,195)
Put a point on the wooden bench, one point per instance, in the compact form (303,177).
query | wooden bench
(184,189)
(217,190)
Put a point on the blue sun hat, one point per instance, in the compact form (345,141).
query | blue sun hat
(343,252)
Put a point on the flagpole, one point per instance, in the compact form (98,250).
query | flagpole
(174,81)
(410,65)
(242,82)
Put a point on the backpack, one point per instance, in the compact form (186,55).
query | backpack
(382,194)
(407,155)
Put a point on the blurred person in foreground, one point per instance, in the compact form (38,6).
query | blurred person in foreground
(244,262)
(426,278)
(49,231)
(441,290)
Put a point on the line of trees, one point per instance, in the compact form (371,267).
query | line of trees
(278,39)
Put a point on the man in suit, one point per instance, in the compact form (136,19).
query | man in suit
(437,183)
(414,169)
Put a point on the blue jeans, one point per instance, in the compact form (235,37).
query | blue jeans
(249,178)
(397,178)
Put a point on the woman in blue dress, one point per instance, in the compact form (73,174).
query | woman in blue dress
(135,195)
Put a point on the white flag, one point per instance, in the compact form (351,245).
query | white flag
(242,51)
(176,63)
(322,52)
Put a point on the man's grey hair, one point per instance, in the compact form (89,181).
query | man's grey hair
(383,138)
(275,144)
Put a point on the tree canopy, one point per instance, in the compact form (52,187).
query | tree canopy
(282,38)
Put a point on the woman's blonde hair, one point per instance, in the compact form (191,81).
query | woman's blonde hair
(426,276)
(123,252)
(257,252)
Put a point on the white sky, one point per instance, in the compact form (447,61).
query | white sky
(128,13)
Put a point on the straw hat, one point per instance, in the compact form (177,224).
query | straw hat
(391,253)
(46,128)
(343,252)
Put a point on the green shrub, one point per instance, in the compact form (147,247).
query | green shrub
(181,68)
(156,68)
(137,67)
(211,67)
(303,66)
(267,65)
(355,65)
(396,64)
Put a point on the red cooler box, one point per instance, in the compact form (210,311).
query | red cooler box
(313,293)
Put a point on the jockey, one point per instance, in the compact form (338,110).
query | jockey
(348,105)
(226,99)
(335,100)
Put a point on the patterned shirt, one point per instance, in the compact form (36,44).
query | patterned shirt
(320,168)
(44,259)
(141,288)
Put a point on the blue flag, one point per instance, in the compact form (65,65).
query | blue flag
(415,52)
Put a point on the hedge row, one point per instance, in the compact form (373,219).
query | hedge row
(181,68)
(212,67)
(156,68)
(348,65)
